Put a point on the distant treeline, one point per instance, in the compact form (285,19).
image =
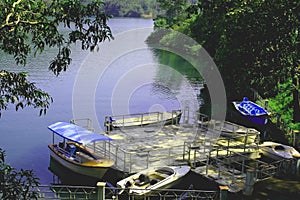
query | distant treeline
(129,8)
(132,8)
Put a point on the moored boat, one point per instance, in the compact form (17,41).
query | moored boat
(278,151)
(73,155)
(151,179)
(243,134)
(252,111)
(144,119)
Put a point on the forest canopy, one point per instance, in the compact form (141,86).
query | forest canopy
(132,8)
(255,44)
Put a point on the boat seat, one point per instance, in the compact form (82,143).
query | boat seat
(161,175)
(142,180)
(82,157)
(154,181)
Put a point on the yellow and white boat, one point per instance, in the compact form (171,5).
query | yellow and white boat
(72,154)
(153,179)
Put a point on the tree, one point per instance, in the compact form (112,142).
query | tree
(254,43)
(15,185)
(31,26)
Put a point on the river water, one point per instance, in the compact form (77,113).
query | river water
(124,77)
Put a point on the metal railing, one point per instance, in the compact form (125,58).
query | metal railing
(141,119)
(63,192)
(240,162)
(83,122)
(130,162)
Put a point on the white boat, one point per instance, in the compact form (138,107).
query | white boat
(152,179)
(232,130)
(278,151)
(72,154)
(143,119)
(243,134)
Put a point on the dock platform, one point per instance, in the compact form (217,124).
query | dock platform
(141,147)
(220,151)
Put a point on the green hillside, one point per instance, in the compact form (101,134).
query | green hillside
(132,8)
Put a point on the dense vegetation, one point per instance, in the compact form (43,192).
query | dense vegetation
(255,44)
(132,8)
(14,184)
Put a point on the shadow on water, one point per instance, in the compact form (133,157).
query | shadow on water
(64,176)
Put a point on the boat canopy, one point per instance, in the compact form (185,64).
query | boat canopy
(76,133)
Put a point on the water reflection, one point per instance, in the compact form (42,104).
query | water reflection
(64,176)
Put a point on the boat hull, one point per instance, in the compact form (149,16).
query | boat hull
(251,111)
(278,151)
(274,155)
(92,171)
(261,120)
(163,183)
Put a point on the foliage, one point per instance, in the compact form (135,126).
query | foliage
(31,26)
(282,103)
(132,8)
(16,185)
(16,89)
(254,43)
(178,14)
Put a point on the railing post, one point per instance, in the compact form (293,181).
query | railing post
(223,192)
(101,190)
(295,134)
(249,184)
(148,159)
(142,119)
(130,166)
(297,163)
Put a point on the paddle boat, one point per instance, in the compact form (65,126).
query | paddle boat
(72,153)
(151,179)
(252,111)
(278,151)
(144,119)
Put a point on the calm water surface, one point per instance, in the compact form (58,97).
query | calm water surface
(133,82)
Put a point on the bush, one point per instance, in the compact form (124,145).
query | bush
(16,185)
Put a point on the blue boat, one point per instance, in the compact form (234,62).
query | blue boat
(252,111)
(72,153)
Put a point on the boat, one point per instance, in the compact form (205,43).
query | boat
(142,119)
(232,130)
(72,154)
(151,179)
(278,151)
(247,135)
(252,111)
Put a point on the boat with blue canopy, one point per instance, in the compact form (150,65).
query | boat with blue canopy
(72,153)
(252,111)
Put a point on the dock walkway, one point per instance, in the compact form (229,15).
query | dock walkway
(219,151)
(141,147)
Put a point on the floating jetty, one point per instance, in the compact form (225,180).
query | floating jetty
(221,151)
